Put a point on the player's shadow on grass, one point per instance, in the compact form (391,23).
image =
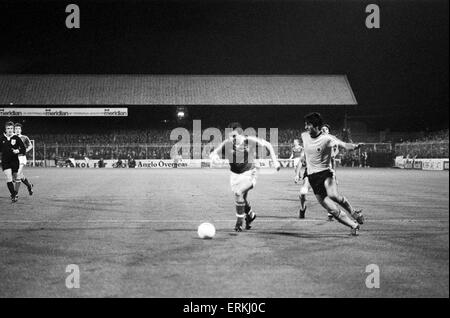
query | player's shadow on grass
(304,235)
(194,234)
(268,217)
(68,229)
(285,199)
(174,230)
(311,203)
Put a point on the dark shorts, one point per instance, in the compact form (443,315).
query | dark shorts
(13,165)
(317,181)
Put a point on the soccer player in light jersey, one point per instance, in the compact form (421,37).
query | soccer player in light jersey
(298,175)
(23,160)
(240,150)
(318,149)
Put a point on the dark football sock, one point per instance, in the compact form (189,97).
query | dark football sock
(25,182)
(303,202)
(248,207)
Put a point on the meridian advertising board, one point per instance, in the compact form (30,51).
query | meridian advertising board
(63,112)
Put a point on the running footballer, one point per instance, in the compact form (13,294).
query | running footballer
(240,151)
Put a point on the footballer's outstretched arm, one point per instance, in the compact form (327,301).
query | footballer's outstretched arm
(269,146)
(345,145)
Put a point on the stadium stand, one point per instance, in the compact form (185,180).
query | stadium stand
(156,144)
(433,145)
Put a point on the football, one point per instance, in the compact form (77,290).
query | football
(206,231)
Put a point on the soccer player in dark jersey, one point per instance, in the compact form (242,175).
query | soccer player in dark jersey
(10,147)
(239,150)
(318,150)
(23,159)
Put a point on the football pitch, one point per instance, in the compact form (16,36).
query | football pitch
(132,233)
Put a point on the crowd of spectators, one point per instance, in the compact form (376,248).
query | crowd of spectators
(156,144)
(149,136)
(435,137)
(433,145)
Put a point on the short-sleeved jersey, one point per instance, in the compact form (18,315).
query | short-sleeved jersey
(26,141)
(318,151)
(241,157)
(297,151)
(8,144)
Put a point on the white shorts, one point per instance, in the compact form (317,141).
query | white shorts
(23,160)
(237,179)
(296,161)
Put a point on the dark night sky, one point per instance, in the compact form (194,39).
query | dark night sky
(399,71)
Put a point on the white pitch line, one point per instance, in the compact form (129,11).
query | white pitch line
(203,220)
(147,221)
